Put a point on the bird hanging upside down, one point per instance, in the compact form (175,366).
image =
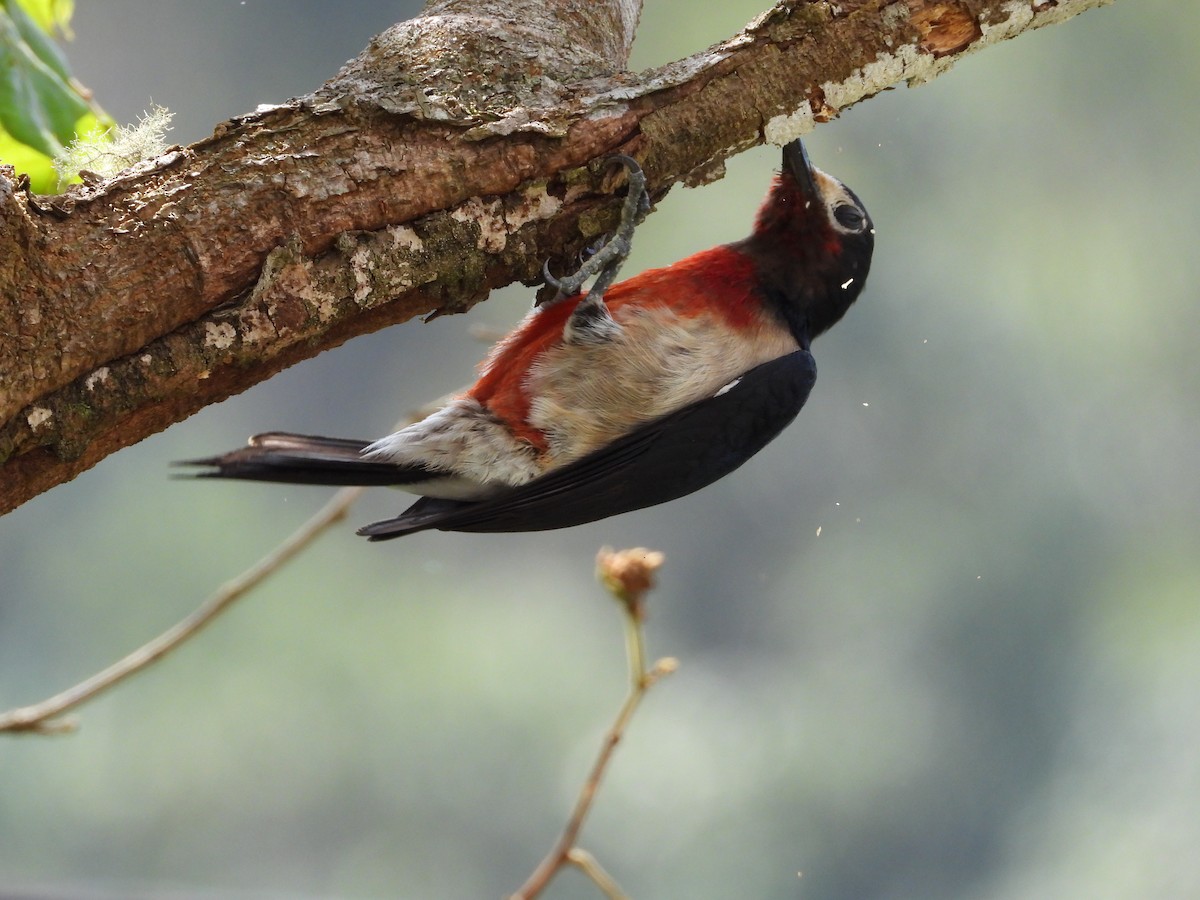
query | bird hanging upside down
(626,396)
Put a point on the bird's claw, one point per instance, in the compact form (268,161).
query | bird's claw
(604,263)
(550,279)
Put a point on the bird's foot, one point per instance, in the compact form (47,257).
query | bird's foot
(606,261)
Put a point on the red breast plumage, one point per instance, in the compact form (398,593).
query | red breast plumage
(687,329)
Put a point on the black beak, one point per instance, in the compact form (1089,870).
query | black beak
(799,166)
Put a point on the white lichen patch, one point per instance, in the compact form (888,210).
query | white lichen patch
(97,378)
(784,129)
(219,335)
(404,238)
(514,121)
(892,16)
(1018,15)
(257,327)
(38,417)
(496,221)
(915,66)
(536,203)
(1022,14)
(908,63)
(326,307)
(361,264)
(489,216)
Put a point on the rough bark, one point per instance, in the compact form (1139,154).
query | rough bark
(453,156)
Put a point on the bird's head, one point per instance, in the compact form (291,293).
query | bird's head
(812,241)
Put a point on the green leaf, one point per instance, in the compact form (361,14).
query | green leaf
(43,179)
(38,38)
(42,108)
(50,15)
(39,103)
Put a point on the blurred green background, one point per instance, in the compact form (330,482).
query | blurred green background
(941,639)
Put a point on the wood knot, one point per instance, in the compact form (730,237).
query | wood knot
(944,27)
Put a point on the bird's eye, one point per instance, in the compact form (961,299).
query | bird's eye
(850,217)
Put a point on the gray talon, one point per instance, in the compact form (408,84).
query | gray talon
(605,262)
(550,279)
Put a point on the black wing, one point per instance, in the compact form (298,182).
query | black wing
(660,461)
(306,459)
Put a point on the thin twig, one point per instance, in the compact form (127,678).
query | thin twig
(587,864)
(41,718)
(627,575)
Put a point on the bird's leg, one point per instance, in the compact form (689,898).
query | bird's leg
(590,250)
(607,259)
(590,320)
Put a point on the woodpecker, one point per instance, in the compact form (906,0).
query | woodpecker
(623,396)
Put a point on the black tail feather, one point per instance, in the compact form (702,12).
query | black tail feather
(428,512)
(305,459)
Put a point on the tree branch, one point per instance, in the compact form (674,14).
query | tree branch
(446,160)
(45,717)
(629,576)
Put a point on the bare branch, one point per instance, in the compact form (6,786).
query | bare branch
(447,160)
(43,718)
(628,575)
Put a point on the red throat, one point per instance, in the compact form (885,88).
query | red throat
(791,219)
